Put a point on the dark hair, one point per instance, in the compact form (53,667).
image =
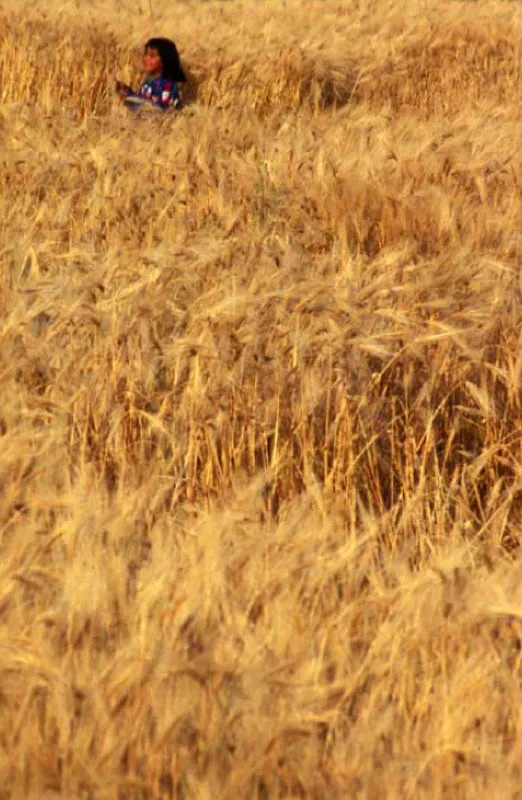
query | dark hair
(168,52)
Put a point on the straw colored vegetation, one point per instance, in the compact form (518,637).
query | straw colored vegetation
(260,403)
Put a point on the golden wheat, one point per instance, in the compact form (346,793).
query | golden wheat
(261,419)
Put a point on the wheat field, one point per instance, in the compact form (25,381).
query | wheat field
(260,403)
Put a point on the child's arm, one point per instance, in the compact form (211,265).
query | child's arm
(123,90)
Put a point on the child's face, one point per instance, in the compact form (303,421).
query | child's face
(152,61)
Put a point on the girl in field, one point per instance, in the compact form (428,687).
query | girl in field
(163,71)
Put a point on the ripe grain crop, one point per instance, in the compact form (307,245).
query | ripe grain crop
(261,410)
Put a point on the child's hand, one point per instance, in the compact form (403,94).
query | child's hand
(122,89)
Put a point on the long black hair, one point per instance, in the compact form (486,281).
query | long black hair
(168,52)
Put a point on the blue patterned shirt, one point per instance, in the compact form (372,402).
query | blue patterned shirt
(160,92)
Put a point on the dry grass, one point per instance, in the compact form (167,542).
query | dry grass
(261,411)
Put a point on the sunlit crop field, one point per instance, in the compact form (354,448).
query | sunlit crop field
(260,403)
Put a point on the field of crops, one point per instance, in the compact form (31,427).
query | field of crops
(260,403)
